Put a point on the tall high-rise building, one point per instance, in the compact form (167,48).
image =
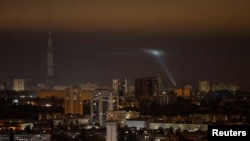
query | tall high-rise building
(204,86)
(75,99)
(115,84)
(103,100)
(126,87)
(151,89)
(19,84)
(50,57)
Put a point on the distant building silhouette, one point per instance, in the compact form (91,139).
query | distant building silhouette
(125,86)
(151,89)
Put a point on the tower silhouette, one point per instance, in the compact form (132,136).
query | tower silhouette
(50,57)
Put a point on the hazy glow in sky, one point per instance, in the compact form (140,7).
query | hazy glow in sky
(98,40)
(127,15)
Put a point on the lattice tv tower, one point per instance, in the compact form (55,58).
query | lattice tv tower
(50,57)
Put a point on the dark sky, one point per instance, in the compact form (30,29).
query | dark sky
(96,41)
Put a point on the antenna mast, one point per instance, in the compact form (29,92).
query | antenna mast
(50,71)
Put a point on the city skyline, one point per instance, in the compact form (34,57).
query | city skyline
(99,41)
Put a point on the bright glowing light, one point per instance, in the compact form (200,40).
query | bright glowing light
(47,105)
(158,54)
(154,52)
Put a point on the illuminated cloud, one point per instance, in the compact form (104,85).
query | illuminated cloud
(129,16)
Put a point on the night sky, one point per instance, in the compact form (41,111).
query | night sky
(95,40)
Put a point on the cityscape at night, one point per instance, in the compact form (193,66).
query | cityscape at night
(124,70)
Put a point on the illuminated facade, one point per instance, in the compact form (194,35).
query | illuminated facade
(51,93)
(102,100)
(183,92)
(121,116)
(222,87)
(19,84)
(181,127)
(204,86)
(111,131)
(115,84)
(75,99)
